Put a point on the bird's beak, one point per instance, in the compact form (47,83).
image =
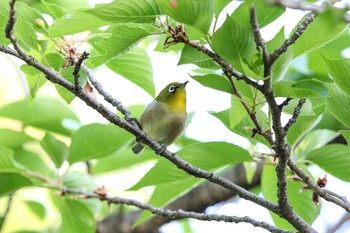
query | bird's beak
(183,84)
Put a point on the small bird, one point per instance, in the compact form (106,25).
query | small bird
(165,117)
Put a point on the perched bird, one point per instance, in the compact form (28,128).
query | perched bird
(165,117)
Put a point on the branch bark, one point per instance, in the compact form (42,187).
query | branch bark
(197,200)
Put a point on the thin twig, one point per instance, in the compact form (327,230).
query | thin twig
(251,114)
(284,103)
(177,214)
(295,115)
(109,98)
(297,33)
(227,67)
(259,41)
(77,68)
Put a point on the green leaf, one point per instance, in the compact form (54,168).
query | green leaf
(244,126)
(4,14)
(33,162)
(326,27)
(127,11)
(69,5)
(339,69)
(299,200)
(125,158)
(198,154)
(96,141)
(11,182)
(286,88)
(266,13)
(56,149)
(37,208)
(346,135)
(55,60)
(76,217)
(13,139)
(7,163)
(56,10)
(43,112)
(103,14)
(26,33)
(234,41)
(136,66)
(237,112)
(303,125)
(313,140)
(196,13)
(219,5)
(334,159)
(79,181)
(214,81)
(337,104)
(123,37)
(35,78)
(190,55)
(30,15)
(79,21)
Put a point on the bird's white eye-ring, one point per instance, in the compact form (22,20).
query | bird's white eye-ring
(172,89)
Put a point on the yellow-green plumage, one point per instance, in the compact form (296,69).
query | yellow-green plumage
(164,118)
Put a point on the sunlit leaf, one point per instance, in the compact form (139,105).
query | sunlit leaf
(123,37)
(13,139)
(190,55)
(339,69)
(56,149)
(325,27)
(95,141)
(104,14)
(76,216)
(193,12)
(11,182)
(214,81)
(37,208)
(334,159)
(136,66)
(337,104)
(313,140)
(44,113)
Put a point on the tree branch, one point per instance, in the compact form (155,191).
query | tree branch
(109,98)
(295,115)
(77,68)
(227,68)
(196,200)
(174,214)
(297,33)
(281,147)
(259,41)
(324,193)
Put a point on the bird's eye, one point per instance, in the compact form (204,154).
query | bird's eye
(172,89)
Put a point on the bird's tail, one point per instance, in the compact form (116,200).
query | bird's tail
(137,148)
